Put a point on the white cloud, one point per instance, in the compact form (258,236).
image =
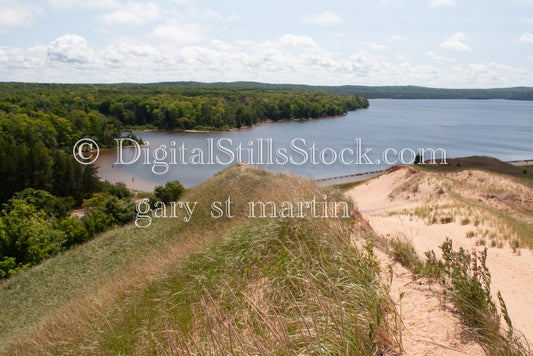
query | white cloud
(456,43)
(530,21)
(4,58)
(221,46)
(401,58)
(133,13)
(298,42)
(527,37)
(441,3)
(392,2)
(179,33)
(213,15)
(129,52)
(14,14)
(325,18)
(501,66)
(375,46)
(438,58)
(70,49)
(289,58)
(23,58)
(340,34)
(232,18)
(397,38)
(85,4)
(478,67)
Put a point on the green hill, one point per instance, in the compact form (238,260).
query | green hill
(229,285)
(369,92)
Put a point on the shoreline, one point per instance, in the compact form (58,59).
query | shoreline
(246,127)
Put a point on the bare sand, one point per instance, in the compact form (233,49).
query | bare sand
(114,174)
(389,203)
(428,325)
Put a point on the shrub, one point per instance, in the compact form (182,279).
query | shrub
(97,221)
(75,231)
(117,189)
(170,192)
(465,221)
(51,205)
(28,236)
(8,266)
(481,242)
(446,219)
(120,211)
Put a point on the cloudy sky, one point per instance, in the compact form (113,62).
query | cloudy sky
(438,43)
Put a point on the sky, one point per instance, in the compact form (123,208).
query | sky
(436,43)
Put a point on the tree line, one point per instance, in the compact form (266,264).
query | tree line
(185,108)
(41,182)
(370,92)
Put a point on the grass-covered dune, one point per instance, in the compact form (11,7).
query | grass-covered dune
(208,286)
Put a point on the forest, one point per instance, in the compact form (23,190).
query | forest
(174,107)
(41,183)
(369,92)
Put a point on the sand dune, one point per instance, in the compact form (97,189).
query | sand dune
(466,207)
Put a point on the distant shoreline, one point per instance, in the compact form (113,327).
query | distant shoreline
(244,127)
(369,92)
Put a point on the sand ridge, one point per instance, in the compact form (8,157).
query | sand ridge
(417,206)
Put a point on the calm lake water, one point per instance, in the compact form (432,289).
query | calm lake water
(498,128)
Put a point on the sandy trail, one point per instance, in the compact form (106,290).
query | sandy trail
(428,326)
(379,201)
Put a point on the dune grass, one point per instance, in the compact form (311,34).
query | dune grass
(470,206)
(467,284)
(521,174)
(209,286)
(467,281)
(88,279)
(271,287)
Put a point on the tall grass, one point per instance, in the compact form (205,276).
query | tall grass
(467,283)
(287,287)
(211,286)
(403,252)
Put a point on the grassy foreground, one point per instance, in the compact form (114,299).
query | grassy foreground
(210,286)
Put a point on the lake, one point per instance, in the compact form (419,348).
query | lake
(333,146)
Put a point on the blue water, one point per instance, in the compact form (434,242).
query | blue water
(498,128)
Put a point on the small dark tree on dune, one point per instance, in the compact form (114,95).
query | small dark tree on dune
(170,192)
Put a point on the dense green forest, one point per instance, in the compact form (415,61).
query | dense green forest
(370,92)
(39,123)
(41,183)
(174,107)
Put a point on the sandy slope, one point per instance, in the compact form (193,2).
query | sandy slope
(405,188)
(429,328)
